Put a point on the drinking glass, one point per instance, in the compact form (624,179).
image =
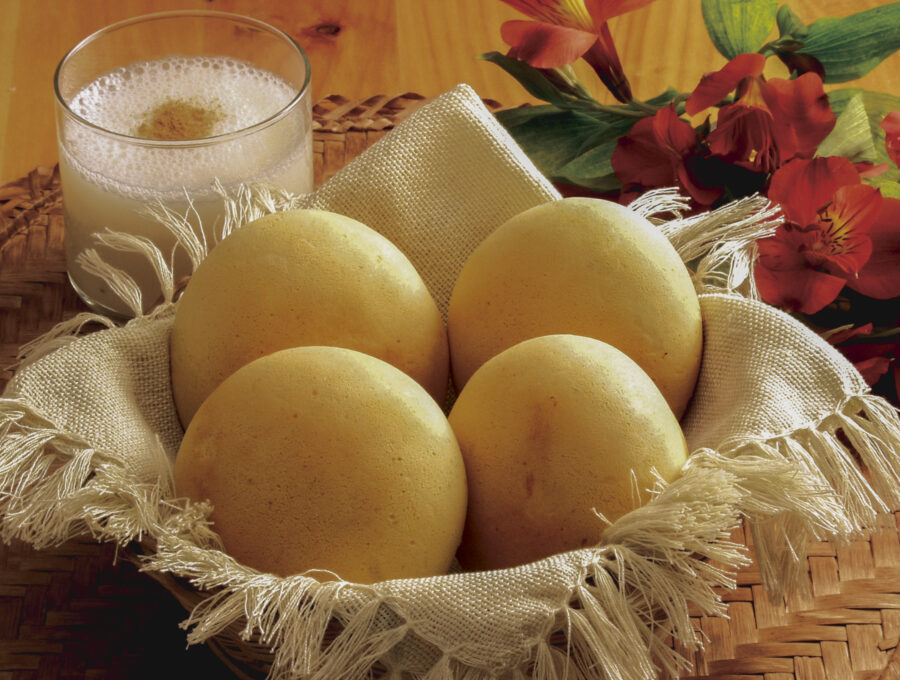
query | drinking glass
(156,111)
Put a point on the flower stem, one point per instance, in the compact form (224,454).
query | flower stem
(644,106)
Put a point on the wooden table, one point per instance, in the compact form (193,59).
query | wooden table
(362,47)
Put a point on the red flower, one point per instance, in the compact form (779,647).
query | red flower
(661,151)
(715,86)
(566,30)
(745,136)
(825,241)
(803,116)
(891,127)
(786,279)
(770,122)
(873,359)
(880,277)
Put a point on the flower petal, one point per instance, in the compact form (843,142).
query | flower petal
(743,137)
(571,13)
(663,151)
(715,86)
(872,369)
(803,186)
(803,290)
(672,132)
(891,126)
(639,158)
(872,359)
(853,210)
(880,277)
(867,169)
(544,45)
(785,279)
(891,123)
(803,116)
(845,334)
(783,250)
(799,63)
(688,179)
(651,152)
(845,246)
(604,59)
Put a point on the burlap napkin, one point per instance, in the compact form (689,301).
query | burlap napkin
(89,431)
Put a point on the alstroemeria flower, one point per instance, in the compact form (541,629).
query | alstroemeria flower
(716,85)
(872,360)
(891,126)
(662,151)
(745,136)
(880,277)
(837,232)
(825,242)
(566,30)
(770,121)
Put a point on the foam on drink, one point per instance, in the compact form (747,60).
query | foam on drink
(245,94)
(120,102)
(108,180)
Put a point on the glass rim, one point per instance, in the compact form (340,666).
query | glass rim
(185,143)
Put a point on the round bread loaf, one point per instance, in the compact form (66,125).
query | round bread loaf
(303,277)
(330,460)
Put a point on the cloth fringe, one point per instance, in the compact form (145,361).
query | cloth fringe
(635,590)
(811,484)
(54,486)
(292,616)
(250,202)
(60,335)
(655,563)
(119,281)
(720,245)
(661,205)
(185,228)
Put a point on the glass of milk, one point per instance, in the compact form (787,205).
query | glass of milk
(161,108)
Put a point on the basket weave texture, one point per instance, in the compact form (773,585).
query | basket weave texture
(71,613)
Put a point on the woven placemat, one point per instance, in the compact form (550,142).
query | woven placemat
(73,612)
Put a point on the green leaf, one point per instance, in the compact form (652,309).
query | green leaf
(575,146)
(737,26)
(535,82)
(889,187)
(877,105)
(568,146)
(567,92)
(550,136)
(789,24)
(592,166)
(852,135)
(849,47)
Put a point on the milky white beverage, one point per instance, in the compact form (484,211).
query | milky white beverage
(109,180)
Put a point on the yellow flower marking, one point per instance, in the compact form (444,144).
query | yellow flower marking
(571,13)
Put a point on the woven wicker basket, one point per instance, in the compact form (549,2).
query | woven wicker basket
(71,613)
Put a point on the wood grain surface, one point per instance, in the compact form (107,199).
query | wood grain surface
(363,47)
